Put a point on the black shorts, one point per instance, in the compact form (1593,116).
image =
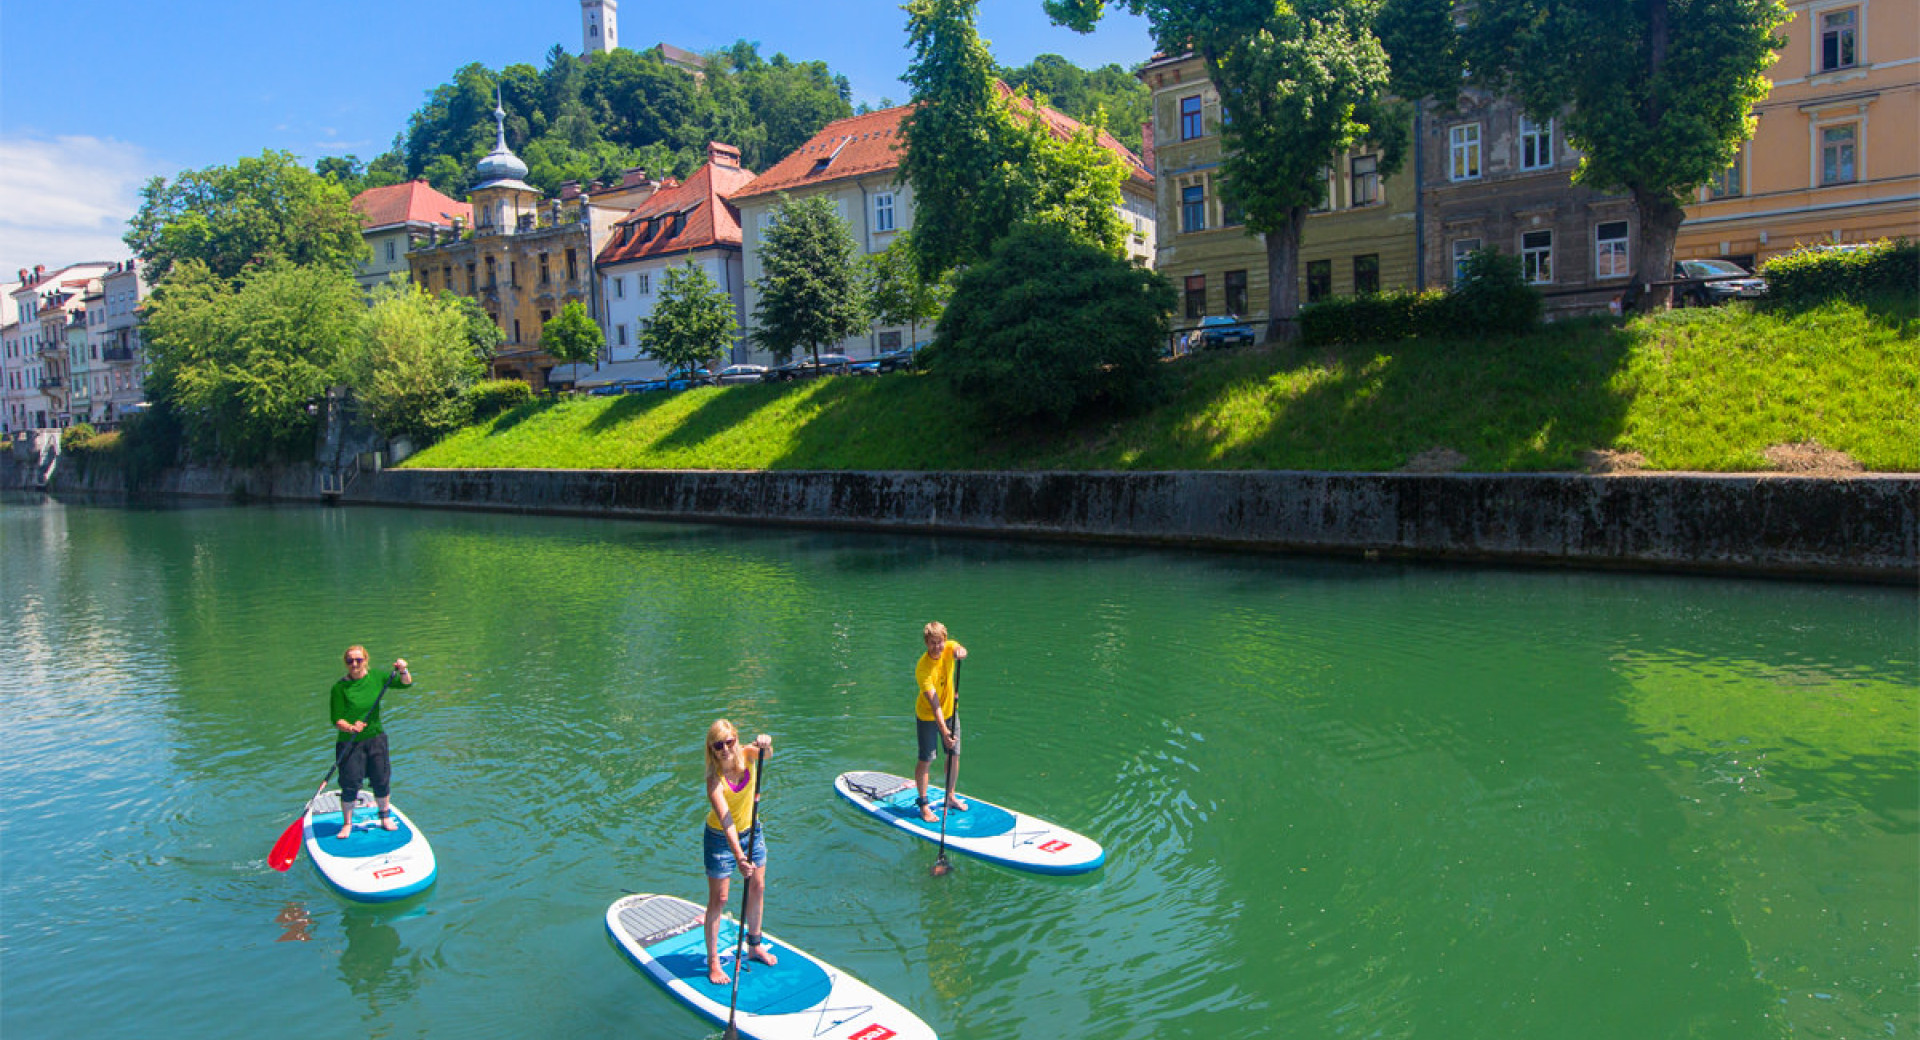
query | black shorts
(364,760)
(929,734)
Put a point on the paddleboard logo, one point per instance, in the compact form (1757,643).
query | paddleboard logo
(389,872)
(1056,845)
(875,1031)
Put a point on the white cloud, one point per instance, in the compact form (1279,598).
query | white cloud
(67,199)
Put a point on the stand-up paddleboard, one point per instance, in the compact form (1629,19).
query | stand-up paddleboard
(800,998)
(985,830)
(373,864)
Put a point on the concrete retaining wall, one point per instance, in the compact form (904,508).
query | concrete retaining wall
(1854,529)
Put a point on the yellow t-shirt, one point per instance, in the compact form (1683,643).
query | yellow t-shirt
(739,803)
(930,675)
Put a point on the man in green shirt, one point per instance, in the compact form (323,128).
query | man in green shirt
(361,743)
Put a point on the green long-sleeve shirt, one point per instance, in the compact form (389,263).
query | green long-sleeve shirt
(353,698)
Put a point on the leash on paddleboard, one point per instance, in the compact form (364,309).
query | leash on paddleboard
(287,849)
(740,942)
(941,867)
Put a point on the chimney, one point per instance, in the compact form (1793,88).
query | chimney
(723,154)
(569,190)
(633,175)
(39,272)
(1146,146)
(23,276)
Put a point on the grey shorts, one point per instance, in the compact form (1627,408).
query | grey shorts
(929,735)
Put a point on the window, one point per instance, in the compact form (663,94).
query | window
(883,211)
(573,266)
(389,250)
(1193,208)
(471,284)
(1838,47)
(620,332)
(492,279)
(1319,280)
(1536,257)
(1837,153)
(1232,214)
(1536,144)
(1237,293)
(1463,248)
(1191,125)
(1196,295)
(1366,273)
(1326,191)
(1366,180)
(643,283)
(1730,182)
(1610,258)
(544,277)
(1465,144)
(619,286)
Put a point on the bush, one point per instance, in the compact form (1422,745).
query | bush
(1491,298)
(1819,274)
(77,437)
(491,397)
(1048,325)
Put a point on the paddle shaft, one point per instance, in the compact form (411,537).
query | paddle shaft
(740,941)
(287,849)
(940,864)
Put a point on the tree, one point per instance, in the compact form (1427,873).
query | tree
(1048,324)
(692,322)
(414,361)
(571,335)
(240,363)
(1108,98)
(980,162)
(896,294)
(1656,94)
(258,210)
(1302,83)
(809,290)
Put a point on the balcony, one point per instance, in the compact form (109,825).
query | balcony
(51,382)
(116,354)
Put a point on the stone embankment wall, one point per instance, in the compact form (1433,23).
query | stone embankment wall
(1858,529)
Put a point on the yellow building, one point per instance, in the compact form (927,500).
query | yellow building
(1836,157)
(1364,239)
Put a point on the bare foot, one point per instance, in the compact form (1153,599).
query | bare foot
(958,804)
(345,832)
(718,977)
(927,814)
(388,823)
(762,953)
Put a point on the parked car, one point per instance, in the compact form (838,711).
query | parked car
(733,374)
(605,390)
(1220,330)
(897,360)
(643,386)
(687,378)
(805,368)
(1715,281)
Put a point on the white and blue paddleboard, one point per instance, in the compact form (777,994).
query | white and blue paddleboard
(800,998)
(373,864)
(985,831)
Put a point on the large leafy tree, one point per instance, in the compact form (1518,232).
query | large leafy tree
(692,322)
(981,162)
(1301,83)
(1656,94)
(1109,98)
(572,336)
(810,291)
(256,211)
(896,294)
(239,363)
(413,362)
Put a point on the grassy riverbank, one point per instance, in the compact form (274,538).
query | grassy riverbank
(1710,390)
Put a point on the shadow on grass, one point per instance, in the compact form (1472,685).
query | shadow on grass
(724,409)
(900,421)
(625,409)
(515,416)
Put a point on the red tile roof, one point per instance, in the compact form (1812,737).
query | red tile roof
(870,143)
(414,202)
(709,220)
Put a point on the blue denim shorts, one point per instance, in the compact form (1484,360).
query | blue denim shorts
(719,854)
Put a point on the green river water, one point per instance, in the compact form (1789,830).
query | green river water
(1339,799)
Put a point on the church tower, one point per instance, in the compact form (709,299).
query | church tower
(599,27)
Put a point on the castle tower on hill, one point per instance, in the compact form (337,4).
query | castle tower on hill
(599,27)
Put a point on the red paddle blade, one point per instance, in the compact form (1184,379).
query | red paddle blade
(287,849)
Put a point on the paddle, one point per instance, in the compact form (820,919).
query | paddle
(287,849)
(740,943)
(941,867)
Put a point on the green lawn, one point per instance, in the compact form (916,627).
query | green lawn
(1690,390)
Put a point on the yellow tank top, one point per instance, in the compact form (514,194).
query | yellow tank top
(739,803)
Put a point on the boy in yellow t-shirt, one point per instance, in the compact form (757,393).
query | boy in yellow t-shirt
(934,720)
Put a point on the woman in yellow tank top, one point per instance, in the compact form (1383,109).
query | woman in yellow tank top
(732,840)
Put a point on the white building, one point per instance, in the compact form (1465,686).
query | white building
(599,26)
(123,357)
(50,315)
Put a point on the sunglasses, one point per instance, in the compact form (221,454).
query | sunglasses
(722,745)
(356,660)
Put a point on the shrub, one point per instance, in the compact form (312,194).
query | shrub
(77,437)
(493,396)
(1815,275)
(1049,324)
(1372,318)
(1491,298)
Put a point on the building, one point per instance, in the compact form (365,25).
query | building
(854,162)
(49,345)
(393,218)
(123,355)
(691,222)
(12,416)
(1363,239)
(599,27)
(525,256)
(1836,156)
(1494,178)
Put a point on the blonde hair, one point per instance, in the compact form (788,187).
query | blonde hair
(720,729)
(934,628)
(363,653)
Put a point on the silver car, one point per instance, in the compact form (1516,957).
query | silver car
(732,374)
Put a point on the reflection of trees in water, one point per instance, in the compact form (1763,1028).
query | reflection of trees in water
(374,963)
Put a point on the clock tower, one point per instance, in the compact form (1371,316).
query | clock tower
(599,27)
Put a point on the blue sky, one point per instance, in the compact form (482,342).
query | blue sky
(95,102)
